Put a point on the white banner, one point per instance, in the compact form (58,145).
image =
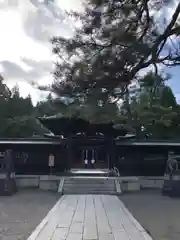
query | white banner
(51,160)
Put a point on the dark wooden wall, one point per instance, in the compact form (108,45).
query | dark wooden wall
(142,160)
(38,157)
(130,160)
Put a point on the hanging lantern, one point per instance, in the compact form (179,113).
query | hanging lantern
(93,157)
(86,157)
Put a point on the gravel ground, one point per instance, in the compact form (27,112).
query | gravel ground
(21,213)
(158,214)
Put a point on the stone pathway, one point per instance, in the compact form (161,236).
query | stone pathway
(89,217)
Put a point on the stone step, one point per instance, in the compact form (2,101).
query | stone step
(90,192)
(93,193)
(89,183)
(89,172)
(89,180)
(89,186)
(89,189)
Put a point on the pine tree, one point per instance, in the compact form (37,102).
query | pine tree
(117,40)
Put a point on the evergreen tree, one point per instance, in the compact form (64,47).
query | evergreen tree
(117,40)
(153,109)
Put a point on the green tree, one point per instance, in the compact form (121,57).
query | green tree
(48,107)
(117,40)
(152,108)
(24,126)
(17,115)
(18,106)
(5,95)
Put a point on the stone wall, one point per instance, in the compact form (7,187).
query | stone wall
(128,184)
(36,181)
(151,182)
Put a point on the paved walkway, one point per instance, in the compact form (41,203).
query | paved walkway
(89,217)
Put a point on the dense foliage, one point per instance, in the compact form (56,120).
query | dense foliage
(149,108)
(117,40)
(115,43)
(17,114)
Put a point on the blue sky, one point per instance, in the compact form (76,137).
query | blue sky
(174,82)
(26,27)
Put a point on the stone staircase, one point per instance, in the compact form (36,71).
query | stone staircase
(89,185)
(89,172)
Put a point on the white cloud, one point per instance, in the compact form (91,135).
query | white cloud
(26,89)
(69,5)
(14,43)
(26,27)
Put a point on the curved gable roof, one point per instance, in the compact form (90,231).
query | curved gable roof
(60,125)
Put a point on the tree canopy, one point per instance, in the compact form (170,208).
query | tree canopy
(151,109)
(18,115)
(116,45)
(148,109)
(116,41)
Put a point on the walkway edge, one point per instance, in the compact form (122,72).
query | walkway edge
(138,226)
(43,223)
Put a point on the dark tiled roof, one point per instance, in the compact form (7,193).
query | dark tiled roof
(27,141)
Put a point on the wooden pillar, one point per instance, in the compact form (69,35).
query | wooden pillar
(112,162)
(96,155)
(107,147)
(69,153)
(110,152)
(107,157)
(82,156)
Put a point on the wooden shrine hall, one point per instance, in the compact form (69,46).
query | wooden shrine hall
(72,141)
(84,141)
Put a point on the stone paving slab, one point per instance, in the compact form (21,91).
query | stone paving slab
(89,217)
